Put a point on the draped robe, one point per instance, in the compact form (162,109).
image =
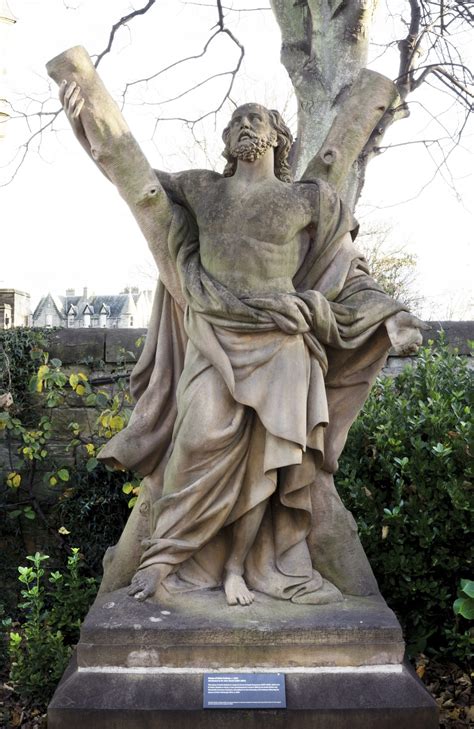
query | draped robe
(245,399)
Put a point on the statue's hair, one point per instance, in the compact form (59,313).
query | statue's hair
(281,151)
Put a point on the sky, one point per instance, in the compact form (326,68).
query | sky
(64,226)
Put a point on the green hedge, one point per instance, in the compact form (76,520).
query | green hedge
(406,475)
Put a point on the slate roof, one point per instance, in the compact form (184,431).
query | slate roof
(116,304)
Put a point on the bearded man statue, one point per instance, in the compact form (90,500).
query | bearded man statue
(266,334)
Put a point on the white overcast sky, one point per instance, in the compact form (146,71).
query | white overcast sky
(63,225)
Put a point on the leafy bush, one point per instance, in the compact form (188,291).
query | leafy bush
(51,613)
(406,474)
(93,511)
(20,351)
(40,449)
(88,506)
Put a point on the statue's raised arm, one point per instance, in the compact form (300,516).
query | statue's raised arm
(103,132)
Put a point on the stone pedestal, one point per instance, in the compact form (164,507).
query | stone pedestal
(142,665)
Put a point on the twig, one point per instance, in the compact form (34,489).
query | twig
(227,7)
(25,146)
(123,21)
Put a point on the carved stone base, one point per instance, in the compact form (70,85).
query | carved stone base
(142,665)
(199,630)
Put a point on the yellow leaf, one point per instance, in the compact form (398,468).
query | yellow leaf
(90,448)
(80,390)
(13,480)
(82,376)
(385,532)
(73,380)
(420,671)
(63,530)
(117,422)
(53,481)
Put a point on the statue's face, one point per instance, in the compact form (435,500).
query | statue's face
(251,132)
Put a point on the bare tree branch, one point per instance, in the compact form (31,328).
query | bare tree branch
(119,24)
(155,75)
(221,29)
(227,7)
(23,149)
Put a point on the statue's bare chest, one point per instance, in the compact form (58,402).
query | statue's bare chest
(274,214)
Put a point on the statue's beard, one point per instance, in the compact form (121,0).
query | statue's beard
(252,147)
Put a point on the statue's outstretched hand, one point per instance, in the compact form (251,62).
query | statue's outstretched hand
(403,330)
(72,101)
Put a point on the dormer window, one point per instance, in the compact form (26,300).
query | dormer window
(71,315)
(104,312)
(87,315)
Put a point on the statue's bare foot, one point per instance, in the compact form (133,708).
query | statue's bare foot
(145,582)
(236,591)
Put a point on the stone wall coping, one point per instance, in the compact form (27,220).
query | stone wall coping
(75,346)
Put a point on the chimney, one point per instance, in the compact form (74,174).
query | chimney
(70,292)
(85,293)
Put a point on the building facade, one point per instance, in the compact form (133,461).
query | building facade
(129,309)
(15,309)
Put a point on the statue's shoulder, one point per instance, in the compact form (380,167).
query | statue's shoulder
(328,204)
(310,189)
(323,194)
(181,185)
(316,186)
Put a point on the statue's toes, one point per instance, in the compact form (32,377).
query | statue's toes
(246,598)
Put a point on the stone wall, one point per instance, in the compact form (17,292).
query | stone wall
(79,345)
(457,333)
(100,354)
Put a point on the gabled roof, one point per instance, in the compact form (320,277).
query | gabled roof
(55,300)
(114,305)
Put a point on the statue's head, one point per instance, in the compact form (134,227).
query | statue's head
(251,131)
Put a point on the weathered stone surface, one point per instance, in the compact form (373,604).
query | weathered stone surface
(383,698)
(118,341)
(69,347)
(199,629)
(9,458)
(457,333)
(62,417)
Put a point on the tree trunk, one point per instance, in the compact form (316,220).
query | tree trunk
(340,103)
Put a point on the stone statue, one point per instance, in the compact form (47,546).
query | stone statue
(266,334)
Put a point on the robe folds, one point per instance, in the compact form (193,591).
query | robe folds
(248,399)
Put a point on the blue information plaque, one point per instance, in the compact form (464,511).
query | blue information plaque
(244,691)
